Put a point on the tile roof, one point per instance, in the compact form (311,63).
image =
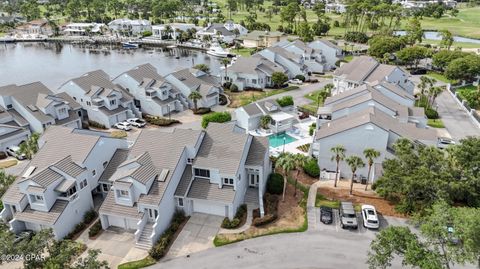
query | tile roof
(95,83)
(358,69)
(69,167)
(118,157)
(203,189)
(144,71)
(196,80)
(109,207)
(222,148)
(257,151)
(13,194)
(256,34)
(184,181)
(36,216)
(255,64)
(140,168)
(45,177)
(65,185)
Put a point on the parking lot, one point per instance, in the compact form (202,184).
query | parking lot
(335,226)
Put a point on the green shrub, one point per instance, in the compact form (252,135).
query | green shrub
(202,111)
(431,113)
(89,216)
(219,117)
(147,33)
(311,168)
(285,101)
(275,183)
(233,88)
(227,85)
(357,37)
(95,229)
(160,121)
(300,77)
(268,218)
(95,124)
(230,224)
(160,248)
(3,155)
(241,211)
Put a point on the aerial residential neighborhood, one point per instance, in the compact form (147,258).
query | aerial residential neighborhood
(242,134)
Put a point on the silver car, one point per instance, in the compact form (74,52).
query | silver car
(348,218)
(444,142)
(14,151)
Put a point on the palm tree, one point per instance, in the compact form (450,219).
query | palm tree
(30,147)
(195,96)
(433,92)
(338,155)
(354,162)
(286,162)
(370,154)
(5,181)
(225,62)
(265,121)
(300,161)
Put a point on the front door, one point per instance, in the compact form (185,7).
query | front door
(152,214)
(253,180)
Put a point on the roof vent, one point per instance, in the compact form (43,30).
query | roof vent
(32,108)
(163,175)
(29,171)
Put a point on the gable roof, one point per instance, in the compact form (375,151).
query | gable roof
(140,169)
(358,69)
(257,34)
(142,72)
(196,80)
(255,64)
(203,189)
(258,148)
(222,148)
(96,83)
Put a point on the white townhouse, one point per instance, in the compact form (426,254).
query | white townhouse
(84,29)
(194,171)
(368,128)
(366,96)
(294,64)
(226,32)
(331,53)
(172,30)
(251,72)
(152,94)
(249,116)
(57,186)
(365,69)
(33,105)
(13,130)
(130,27)
(191,79)
(105,102)
(312,58)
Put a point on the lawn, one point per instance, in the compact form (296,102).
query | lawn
(238,99)
(245,52)
(435,123)
(461,92)
(348,58)
(315,104)
(465,45)
(440,77)
(147,261)
(321,200)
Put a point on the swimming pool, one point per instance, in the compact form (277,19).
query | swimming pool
(276,140)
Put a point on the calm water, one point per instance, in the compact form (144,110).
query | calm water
(276,140)
(54,64)
(437,36)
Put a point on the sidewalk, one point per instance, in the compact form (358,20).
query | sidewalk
(248,223)
(311,212)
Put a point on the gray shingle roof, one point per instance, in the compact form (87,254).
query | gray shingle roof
(13,194)
(109,207)
(184,181)
(222,148)
(257,151)
(94,80)
(70,168)
(196,80)
(140,169)
(45,177)
(118,157)
(144,71)
(203,189)
(254,64)
(36,216)
(358,69)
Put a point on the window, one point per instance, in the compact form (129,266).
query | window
(123,193)
(88,103)
(71,191)
(180,202)
(83,184)
(10,106)
(189,160)
(94,173)
(62,111)
(105,187)
(202,173)
(113,102)
(81,100)
(105,163)
(227,181)
(75,98)
(254,81)
(79,113)
(38,198)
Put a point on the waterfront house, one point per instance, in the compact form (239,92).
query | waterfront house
(104,102)
(191,79)
(58,186)
(335,7)
(35,27)
(262,39)
(208,171)
(226,32)
(331,53)
(294,64)
(172,30)
(365,69)
(84,29)
(35,107)
(249,116)
(251,72)
(314,59)
(368,128)
(128,27)
(152,94)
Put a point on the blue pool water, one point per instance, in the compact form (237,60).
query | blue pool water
(276,140)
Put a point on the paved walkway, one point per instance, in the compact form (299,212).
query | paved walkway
(455,119)
(248,223)
(311,210)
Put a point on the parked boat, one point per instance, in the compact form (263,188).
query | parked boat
(130,45)
(7,39)
(216,50)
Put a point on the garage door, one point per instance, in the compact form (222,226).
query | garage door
(132,224)
(116,221)
(210,208)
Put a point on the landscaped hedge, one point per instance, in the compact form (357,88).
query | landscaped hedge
(89,216)
(285,101)
(202,110)
(95,124)
(311,168)
(271,208)
(237,220)
(219,117)
(300,77)
(431,113)
(160,121)
(161,247)
(95,229)
(275,184)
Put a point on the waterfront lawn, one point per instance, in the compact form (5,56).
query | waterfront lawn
(238,99)
(244,52)
(435,123)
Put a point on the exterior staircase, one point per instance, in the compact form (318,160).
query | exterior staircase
(251,196)
(144,240)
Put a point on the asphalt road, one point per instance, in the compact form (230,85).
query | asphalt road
(455,119)
(298,95)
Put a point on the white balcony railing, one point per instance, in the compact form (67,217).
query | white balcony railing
(140,225)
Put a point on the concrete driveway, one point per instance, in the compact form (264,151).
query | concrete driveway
(196,235)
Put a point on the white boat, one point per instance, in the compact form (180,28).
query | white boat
(216,50)
(7,39)
(130,45)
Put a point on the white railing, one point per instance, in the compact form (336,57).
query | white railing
(154,230)
(6,214)
(140,225)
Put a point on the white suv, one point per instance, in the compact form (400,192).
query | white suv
(14,152)
(123,126)
(137,122)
